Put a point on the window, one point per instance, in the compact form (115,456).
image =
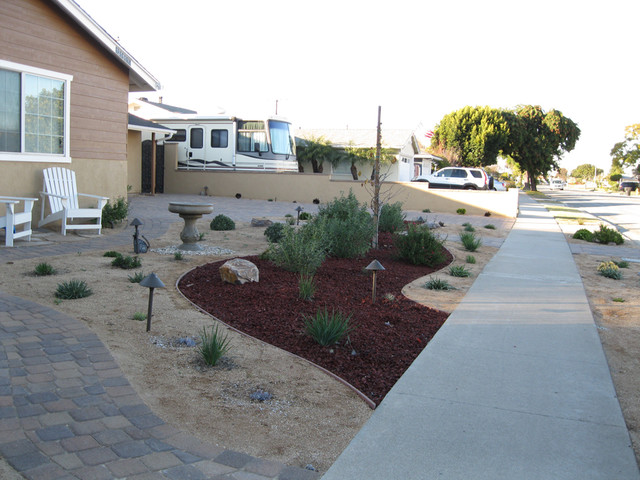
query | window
(281,140)
(197,138)
(34,114)
(179,136)
(252,137)
(219,138)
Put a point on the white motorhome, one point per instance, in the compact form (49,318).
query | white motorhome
(232,143)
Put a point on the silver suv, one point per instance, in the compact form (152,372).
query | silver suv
(458,177)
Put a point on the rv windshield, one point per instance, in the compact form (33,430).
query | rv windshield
(281,139)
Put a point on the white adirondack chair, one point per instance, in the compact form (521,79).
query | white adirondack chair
(60,188)
(13,218)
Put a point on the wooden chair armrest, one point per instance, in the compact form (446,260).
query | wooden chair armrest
(54,195)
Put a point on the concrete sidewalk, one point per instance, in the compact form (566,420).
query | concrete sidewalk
(515,385)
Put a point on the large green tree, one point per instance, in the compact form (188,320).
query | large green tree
(627,152)
(538,139)
(317,150)
(586,172)
(475,135)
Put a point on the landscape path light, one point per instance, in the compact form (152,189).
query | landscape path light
(151,282)
(374,267)
(298,209)
(139,245)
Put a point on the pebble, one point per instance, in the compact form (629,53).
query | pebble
(206,250)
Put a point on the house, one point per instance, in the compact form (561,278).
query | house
(402,145)
(64,88)
(144,108)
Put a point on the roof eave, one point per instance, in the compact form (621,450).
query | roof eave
(140,80)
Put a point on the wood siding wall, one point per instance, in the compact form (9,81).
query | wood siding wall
(37,33)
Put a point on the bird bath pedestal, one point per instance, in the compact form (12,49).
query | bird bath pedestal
(190,212)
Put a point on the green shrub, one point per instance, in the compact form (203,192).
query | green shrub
(391,218)
(291,221)
(306,286)
(438,284)
(305,216)
(112,254)
(471,259)
(459,271)
(178,256)
(346,226)
(213,345)
(469,228)
(426,210)
(490,226)
(222,222)
(274,232)
(136,277)
(470,241)
(419,246)
(609,270)
(126,262)
(299,250)
(327,328)
(622,263)
(43,269)
(139,316)
(607,235)
(461,211)
(583,234)
(113,213)
(618,299)
(73,289)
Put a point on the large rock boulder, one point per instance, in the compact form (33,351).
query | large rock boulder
(238,271)
(261,222)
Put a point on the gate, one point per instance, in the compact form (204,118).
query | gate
(146,167)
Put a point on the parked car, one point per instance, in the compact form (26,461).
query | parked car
(498,185)
(556,184)
(629,186)
(458,177)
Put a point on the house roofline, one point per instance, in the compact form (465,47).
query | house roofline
(140,80)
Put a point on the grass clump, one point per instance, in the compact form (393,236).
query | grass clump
(139,316)
(305,216)
(327,328)
(222,223)
(609,270)
(461,211)
(469,228)
(470,242)
(490,226)
(43,269)
(471,259)
(178,256)
(621,263)
(136,277)
(73,289)
(618,300)
(112,254)
(306,286)
(437,284)
(391,218)
(275,232)
(126,262)
(459,271)
(213,345)
(419,246)
(299,250)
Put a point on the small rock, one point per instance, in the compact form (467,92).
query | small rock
(261,222)
(238,271)
(310,467)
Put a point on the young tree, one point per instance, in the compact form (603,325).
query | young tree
(537,139)
(318,150)
(476,135)
(627,152)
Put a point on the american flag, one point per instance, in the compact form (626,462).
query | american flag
(429,134)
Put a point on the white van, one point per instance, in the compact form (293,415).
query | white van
(556,184)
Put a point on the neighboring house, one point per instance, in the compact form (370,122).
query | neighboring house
(402,144)
(64,88)
(144,108)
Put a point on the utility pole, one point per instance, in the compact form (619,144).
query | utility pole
(376,181)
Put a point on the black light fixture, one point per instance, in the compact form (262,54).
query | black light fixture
(374,267)
(298,209)
(151,282)
(140,243)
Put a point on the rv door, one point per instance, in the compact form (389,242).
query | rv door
(196,150)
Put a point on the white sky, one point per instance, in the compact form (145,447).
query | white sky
(330,64)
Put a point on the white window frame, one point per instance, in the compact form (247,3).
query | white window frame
(40,157)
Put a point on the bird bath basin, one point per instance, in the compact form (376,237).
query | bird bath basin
(190,212)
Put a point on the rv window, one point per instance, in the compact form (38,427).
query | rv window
(281,140)
(197,138)
(219,138)
(252,142)
(179,136)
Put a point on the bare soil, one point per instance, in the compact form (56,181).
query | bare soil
(311,416)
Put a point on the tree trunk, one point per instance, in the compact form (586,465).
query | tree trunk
(354,171)
(317,167)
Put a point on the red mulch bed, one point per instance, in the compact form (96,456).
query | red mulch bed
(389,334)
